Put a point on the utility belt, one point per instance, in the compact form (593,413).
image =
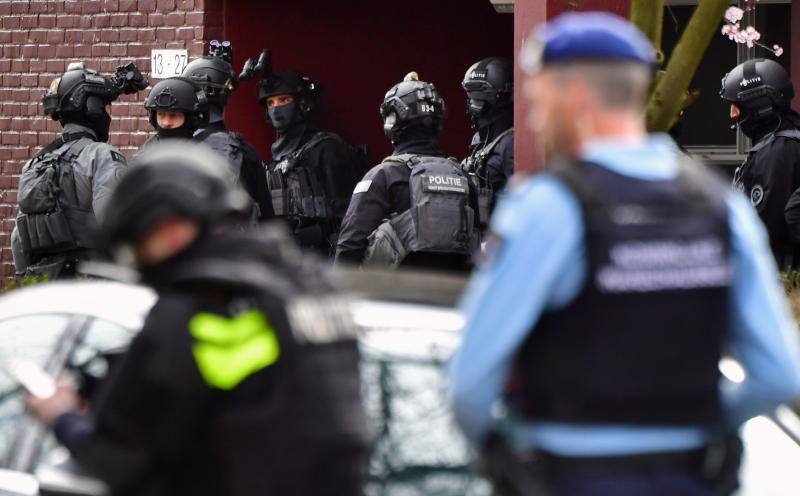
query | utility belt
(533,473)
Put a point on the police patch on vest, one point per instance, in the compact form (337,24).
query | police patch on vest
(641,267)
(440,183)
(756,195)
(317,320)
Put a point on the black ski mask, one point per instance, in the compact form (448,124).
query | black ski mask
(483,113)
(283,117)
(185,131)
(101,126)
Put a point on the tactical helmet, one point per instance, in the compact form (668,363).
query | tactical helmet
(178,94)
(79,91)
(85,92)
(761,88)
(411,101)
(489,84)
(295,83)
(171,180)
(214,76)
(80,95)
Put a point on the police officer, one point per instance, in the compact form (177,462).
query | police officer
(630,269)
(245,378)
(215,76)
(312,173)
(177,108)
(416,208)
(66,184)
(489,84)
(759,92)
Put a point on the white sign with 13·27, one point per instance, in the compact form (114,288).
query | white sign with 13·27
(167,63)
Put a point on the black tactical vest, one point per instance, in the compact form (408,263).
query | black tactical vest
(642,341)
(770,189)
(296,191)
(440,220)
(475,166)
(51,220)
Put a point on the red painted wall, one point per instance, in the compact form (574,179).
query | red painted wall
(358,49)
(528,14)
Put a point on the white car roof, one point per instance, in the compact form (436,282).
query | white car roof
(123,304)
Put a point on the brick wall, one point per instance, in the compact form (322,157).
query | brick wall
(39,38)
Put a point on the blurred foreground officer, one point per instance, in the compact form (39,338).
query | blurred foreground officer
(630,269)
(760,92)
(66,185)
(177,108)
(416,208)
(489,84)
(312,173)
(245,377)
(215,76)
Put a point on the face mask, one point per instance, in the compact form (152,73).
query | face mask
(184,131)
(481,113)
(101,126)
(283,117)
(755,129)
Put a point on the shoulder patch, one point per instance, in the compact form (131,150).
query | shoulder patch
(118,157)
(362,187)
(228,350)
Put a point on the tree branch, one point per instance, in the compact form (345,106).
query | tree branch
(668,97)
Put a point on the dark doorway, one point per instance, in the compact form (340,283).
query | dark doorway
(357,50)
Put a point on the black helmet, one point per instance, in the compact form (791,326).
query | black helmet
(171,180)
(761,88)
(178,94)
(81,95)
(489,84)
(85,92)
(411,101)
(214,76)
(306,92)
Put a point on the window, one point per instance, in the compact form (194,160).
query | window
(705,129)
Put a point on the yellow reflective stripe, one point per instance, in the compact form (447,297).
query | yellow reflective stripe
(228,350)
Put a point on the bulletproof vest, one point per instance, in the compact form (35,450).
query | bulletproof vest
(51,220)
(475,166)
(305,393)
(249,157)
(770,190)
(440,219)
(296,191)
(641,343)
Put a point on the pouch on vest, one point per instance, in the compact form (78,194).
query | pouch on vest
(278,192)
(385,246)
(303,196)
(51,219)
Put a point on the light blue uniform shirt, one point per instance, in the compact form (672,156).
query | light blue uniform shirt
(541,266)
